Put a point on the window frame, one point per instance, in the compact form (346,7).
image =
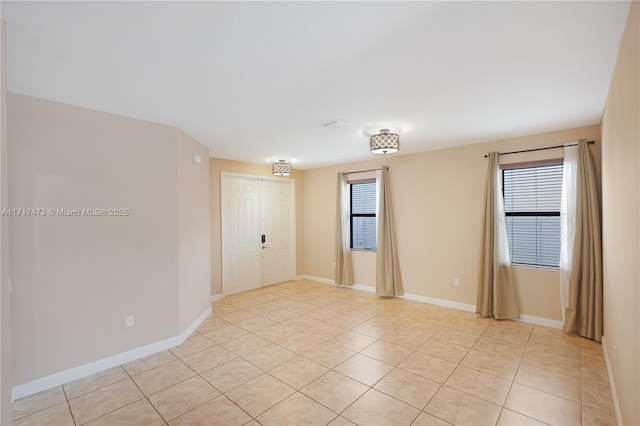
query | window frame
(352,215)
(530,165)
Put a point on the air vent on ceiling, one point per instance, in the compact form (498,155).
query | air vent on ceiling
(336,123)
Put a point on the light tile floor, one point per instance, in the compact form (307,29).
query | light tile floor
(308,353)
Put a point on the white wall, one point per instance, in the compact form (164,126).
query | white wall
(75,279)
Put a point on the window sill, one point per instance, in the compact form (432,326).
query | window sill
(364,251)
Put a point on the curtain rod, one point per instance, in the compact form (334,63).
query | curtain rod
(539,149)
(362,171)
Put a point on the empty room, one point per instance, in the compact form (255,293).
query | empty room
(319,213)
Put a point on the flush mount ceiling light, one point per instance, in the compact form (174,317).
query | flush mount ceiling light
(384,142)
(281,168)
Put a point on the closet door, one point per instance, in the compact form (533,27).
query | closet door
(240,215)
(275,226)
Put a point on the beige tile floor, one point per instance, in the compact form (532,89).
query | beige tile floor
(307,353)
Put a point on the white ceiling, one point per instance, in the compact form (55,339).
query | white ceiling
(253,81)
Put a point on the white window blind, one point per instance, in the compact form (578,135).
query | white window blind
(363,216)
(532,197)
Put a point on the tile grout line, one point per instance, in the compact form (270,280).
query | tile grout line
(41,409)
(145,395)
(236,357)
(513,380)
(69,405)
(458,364)
(206,381)
(372,387)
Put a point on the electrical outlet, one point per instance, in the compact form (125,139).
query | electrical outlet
(130,321)
(456,282)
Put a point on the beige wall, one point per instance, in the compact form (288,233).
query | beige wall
(621,219)
(5,317)
(438,198)
(75,279)
(216,167)
(194,245)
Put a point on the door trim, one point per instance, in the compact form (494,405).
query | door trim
(292,233)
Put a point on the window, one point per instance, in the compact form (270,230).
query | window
(363,215)
(532,197)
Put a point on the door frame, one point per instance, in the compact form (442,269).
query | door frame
(292,230)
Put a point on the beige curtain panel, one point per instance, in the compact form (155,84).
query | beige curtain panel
(388,279)
(344,267)
(583,301)
(496,288)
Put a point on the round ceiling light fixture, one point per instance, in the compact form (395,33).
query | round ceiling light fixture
(281,168)
(384,143)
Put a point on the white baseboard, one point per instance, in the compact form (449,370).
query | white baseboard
(546,322)
(75,373)
(217,297)
(332,282)
(317,279)
(439,302)
(360,287)
(612,384)
(442,302)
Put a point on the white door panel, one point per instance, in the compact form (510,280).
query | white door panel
(275,225)
(241,246)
